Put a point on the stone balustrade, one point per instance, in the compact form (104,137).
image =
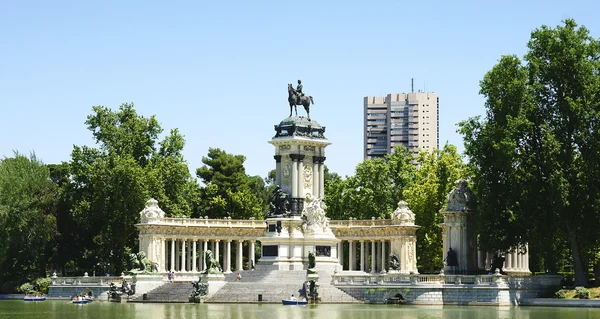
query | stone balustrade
(340,280)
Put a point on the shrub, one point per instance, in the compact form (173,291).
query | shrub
(42,284)
(582,293)
(561,294)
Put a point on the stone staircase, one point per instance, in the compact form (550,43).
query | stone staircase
(273,286)
(168,292)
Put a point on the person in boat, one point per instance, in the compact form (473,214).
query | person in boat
(292,297)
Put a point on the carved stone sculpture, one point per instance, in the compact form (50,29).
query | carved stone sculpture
(394,262)
(314,215)
(403,215)
(312,263)
(151,212)
(460,198)
(212,265)
(296,97)
(141,264)
(279,203)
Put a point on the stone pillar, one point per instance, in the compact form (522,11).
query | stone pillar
(216,243)
(383,265)
(300,186)
(340,252)
(373,256)
(188,260)
(351,258)
(251,254)
(362,255)
(367,251)
(294,158)
(194,248)
(183,256)
(316,177)
(228,257)
(277,169)
(178,255)
(172,255)
(203,254)
(322,176)
(239,258)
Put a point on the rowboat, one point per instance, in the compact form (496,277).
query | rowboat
(39,298)
(81,302)
(293,302)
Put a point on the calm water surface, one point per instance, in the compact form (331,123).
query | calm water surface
(51,309)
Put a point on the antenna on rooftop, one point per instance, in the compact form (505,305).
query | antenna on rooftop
(412,85)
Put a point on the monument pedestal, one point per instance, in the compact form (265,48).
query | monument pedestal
(214,281)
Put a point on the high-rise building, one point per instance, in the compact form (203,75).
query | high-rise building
(409,119)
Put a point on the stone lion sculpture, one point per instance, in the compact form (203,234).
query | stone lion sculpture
(212,265)
(141,264)
(394,262)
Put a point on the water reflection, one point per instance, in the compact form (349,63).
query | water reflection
(105,310)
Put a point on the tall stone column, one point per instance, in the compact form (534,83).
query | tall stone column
(228,257)
(172,255)
(316,177)
(194,248)
(373,256)
(351,258)
(182,256)
(188,260)
(294,158)
(300,186)
(216,243)
(277,169)
(251,254)
(362,255)
(383,265)
(204,252)
(340,252)
(322,176)
(240,249)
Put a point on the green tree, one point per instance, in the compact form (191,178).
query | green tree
(27,220)
(110,184)
(228,191)
(537,153)
(426,195)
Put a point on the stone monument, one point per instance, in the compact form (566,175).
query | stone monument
(404,247)
(296,222)
(457,230)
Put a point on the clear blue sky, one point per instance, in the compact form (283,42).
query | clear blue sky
(218,70)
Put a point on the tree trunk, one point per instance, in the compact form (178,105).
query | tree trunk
(597,274)
(580,273)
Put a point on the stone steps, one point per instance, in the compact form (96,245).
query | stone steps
(168,292)
(275,285)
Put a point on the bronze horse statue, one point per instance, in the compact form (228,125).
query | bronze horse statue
(295,100)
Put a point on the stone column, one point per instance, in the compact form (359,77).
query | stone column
(178,255)
(351,259)
(322,176)
(373,256)
(240,249)
(183,256)
(203,253)
(228,257)
(216,243)
(172,255)
(188,261)
(316,178)
(362,255)
(508,261)
(341,253)
(383,266)
(277,169)
(251,254)
(294,175)
(367,252)
(194,267)
(300,186)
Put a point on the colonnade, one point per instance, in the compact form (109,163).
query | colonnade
(298,179)
(360,251)
(187,255)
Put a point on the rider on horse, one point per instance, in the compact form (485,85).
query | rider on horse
(299,92)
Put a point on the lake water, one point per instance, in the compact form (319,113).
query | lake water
(59,309)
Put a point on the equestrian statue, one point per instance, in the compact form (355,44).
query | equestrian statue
(297,97)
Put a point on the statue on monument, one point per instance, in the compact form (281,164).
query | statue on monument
(278,202)
(394,262)
(297,97)
(451,258)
